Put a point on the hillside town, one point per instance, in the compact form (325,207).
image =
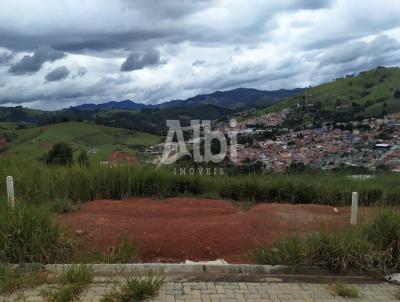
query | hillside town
(371,143)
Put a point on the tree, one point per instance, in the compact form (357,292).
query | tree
(296,167)
(60,154)
(83,159)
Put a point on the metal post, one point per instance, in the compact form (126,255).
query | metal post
(10,191)
(354,207)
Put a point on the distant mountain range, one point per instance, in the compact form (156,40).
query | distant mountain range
(126,104)
(231,99)
(372,93)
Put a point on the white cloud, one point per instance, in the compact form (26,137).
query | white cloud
(200,46)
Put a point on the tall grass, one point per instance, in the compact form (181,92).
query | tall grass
(37,183)
(27,234)
(372,246)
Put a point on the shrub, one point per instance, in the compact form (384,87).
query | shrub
(60,154)
(83,159)
(28,234)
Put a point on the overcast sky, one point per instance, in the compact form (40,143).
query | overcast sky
(56,54)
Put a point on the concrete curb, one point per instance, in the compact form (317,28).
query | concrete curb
(212,272)
(165,268)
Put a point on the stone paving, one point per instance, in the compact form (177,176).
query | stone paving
(226,292)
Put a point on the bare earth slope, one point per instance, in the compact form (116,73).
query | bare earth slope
(177,229)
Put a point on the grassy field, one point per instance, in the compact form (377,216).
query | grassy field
(33,143)
(38,183)
(373,91)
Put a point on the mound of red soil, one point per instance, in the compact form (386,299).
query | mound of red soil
(118,157)
(3,143)
(177,229)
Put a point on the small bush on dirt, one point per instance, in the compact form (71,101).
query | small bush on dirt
(28,234)
(344,290)
(136,289)
(73,281)
(13,280)
(373,246)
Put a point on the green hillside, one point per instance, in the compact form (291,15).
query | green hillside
(372,93)
(33,143)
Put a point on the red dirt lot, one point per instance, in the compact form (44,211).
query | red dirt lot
(119,157)
(179,229)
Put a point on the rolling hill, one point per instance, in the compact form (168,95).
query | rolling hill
(234,99)
(126,104)
(372,93)
(34,142)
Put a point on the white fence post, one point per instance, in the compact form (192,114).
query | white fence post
(10,191)
(354,208)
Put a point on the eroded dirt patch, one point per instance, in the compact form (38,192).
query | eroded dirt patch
(177,229)
(121,157)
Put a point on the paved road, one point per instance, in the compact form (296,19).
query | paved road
(229,291)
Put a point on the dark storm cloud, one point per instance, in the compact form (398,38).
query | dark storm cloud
(171,9)
(159,22)
(348,52)
(57,74)
(5,57)
(32,64)
(312,4)
(137,61)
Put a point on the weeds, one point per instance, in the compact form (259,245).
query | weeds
(345,290)
(13,280)
(136,289)
(73,281)
(125,252)
(28,234)
(61,206)
(372,246)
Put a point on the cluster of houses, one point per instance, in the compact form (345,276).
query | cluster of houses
(328,147)
(371,143)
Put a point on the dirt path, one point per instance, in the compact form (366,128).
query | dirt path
(177,229)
